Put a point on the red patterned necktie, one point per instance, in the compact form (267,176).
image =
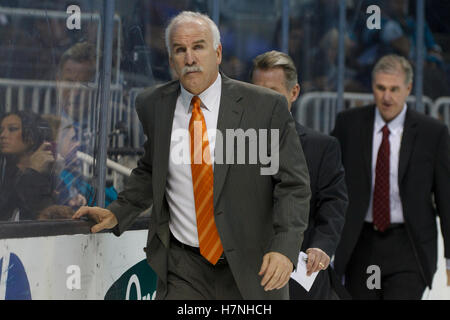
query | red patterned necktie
(203,181)
(381,203)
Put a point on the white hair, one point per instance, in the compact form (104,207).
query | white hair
(189,16)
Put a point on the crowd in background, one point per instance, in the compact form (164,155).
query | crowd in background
(32,46)
(42,48)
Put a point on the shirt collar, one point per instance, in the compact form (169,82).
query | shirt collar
(395,125)
(208,97)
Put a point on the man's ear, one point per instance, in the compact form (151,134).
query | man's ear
(409,88)
(219,54)
(295,91)
(171,61)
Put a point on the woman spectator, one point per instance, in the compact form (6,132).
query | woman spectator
(26,158)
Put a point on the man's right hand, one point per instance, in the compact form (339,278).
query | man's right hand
(105,219)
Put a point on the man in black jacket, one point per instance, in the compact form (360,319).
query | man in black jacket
(398,178)
(276,70)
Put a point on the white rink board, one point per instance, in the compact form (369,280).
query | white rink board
(102,259)
(440,289)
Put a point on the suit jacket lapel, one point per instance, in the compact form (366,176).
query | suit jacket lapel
(230,113)
(300,130)
(407,143)
(302,135)
(163,131)
(367,141)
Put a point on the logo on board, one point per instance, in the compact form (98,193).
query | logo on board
(137,283)
(14,283)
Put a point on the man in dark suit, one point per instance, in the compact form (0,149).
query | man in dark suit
(276,70)
(229,231)
(398,178)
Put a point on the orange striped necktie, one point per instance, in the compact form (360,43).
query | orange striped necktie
(203,181)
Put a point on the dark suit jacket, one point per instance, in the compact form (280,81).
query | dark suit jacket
(328,190)
(328,202)
(254,213)
(424,171)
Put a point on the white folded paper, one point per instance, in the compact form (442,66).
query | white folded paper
(299,274)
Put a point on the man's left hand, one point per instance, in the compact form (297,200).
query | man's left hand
(317,260)
(277,269)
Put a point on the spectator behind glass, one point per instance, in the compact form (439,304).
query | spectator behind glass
(313,45)
(76,69)
(67,147)
(398,35)
(26,159)
(72,187)
(400,32)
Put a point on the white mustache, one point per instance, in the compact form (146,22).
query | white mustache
(191,69)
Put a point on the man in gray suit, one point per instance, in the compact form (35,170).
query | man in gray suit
(258,219)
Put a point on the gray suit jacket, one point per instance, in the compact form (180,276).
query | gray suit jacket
(254,213)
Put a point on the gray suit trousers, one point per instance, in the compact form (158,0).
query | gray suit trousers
(192,277)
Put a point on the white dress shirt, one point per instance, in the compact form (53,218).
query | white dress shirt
(395,138)
(179,189)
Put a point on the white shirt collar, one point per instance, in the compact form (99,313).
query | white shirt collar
(208,97)
(395,125)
